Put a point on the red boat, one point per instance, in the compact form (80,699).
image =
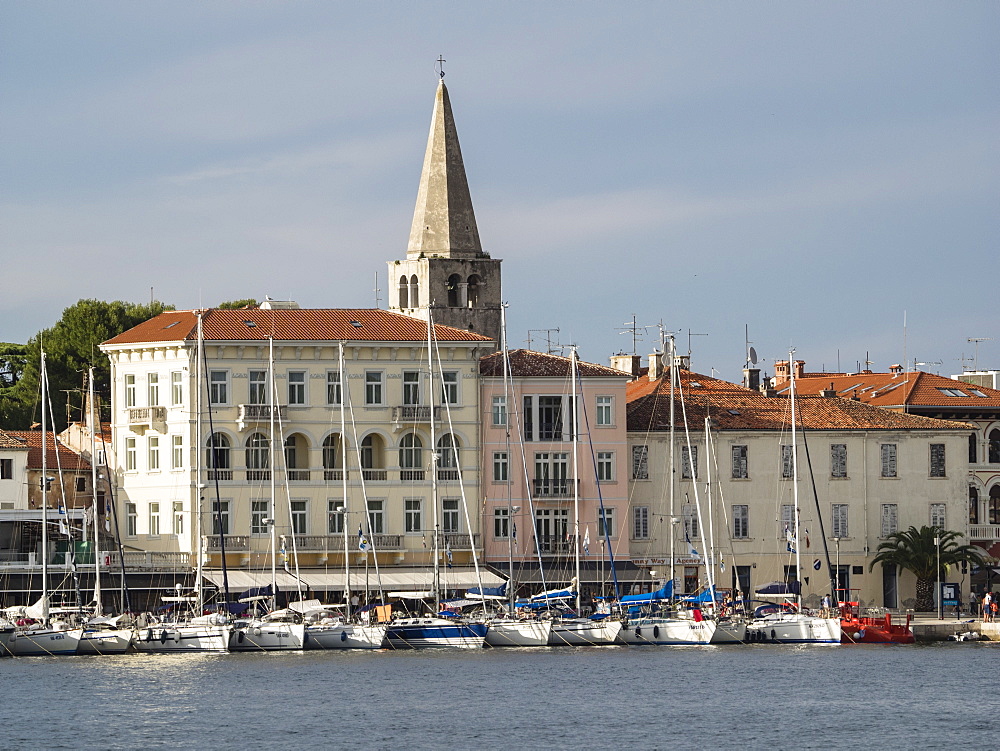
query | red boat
(861,629)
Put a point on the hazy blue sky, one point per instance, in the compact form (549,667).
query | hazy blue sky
(810,169)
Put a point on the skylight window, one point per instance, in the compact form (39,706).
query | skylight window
(695,385)
(356,324)
(979,393)
(953,392)
(851,388)
(171,325)
(733,411)
(250,324)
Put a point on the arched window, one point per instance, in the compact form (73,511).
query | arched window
(475,285)
(414,292)
(973,505)
(995,504)
(296,452)
(404,296)
(258,456)
(994,447)
(454,282)
(332,453)
(447,451)
(217,457)
(411,452)
(973,448)
(373,458)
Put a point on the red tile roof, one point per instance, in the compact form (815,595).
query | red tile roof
(32,439)
(302,325)
(527,362)
(9,442)
(914,388)
(734,407)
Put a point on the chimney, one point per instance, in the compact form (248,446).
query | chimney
(780,372)
(897,368)
(828,393)
(800,368)
(630,364)
(655,365)
(751,378)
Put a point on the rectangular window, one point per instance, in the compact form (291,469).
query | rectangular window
(218,386)
(938,516)
(154,452)
(605,522)
(640,523)
(937,460)
(6,469)
(890,516)
(840,528)
(131,520)
(334,393)
(297,387)
(499,410)
(411,387)
(786,462)
(551,474)
(376,516)
(176,388)
(373,387)
(501,523)
(451,520)
(131,461)
(838,460)
(154,519)
(689,459)
(740,467)
(888,460)
(178,518)
(786,530)
(605,412)
(690,517)
(605,466)
(81,484)
(220,517)
(449,387)
(528,419)
(130,390)
(258,387)
(300,517)
(640,462)
(335,517)
(500,466)
(153,388)
(741,521)
(177,452)
(412,508)
(550,418)
(258,517)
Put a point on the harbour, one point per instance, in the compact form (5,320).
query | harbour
(756,697)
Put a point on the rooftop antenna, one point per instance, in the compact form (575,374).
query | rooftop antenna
(751,352)
(689,343)
(975,340)
(440,66)
(548,339)
(631,327)
(378,299)
(963,359)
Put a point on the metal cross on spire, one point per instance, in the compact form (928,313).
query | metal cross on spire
(440,65)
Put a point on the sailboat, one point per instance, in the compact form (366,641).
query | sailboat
(43,636)
(200,632)
(576,630)
(789,623)
(414,632)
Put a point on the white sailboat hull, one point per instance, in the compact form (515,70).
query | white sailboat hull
(44,642)
(344,636)
(730,632)
(172,637)
(584,632)
(794,628)
(104,643)
(505,632)
(6,633)
(668,631)
(262,636)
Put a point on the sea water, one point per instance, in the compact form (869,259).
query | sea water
(754,697)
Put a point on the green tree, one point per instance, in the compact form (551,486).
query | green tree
(13,358)
(914,550)
(236,304)
(71,347)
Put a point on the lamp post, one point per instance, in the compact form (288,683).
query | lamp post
(937,578)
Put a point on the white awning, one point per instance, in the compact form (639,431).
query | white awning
(392,578)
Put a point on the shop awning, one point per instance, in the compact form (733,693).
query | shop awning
(391,578)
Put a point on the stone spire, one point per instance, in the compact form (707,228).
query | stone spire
(444,223)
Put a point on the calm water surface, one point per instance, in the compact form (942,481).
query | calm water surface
(760,697)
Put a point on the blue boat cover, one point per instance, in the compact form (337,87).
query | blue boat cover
(500,591)
(663,593)
(706,596)
(779,588)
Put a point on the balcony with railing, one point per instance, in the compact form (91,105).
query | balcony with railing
(408,414)
(448,475)
(335,543)
(411,475)
(253,414)
(375,475)
(149,561)
(258,475)
(556,544)
(984,532)
(140,418)
(334,474)
(234,543)
(299,475)
(458,541)
(222,475)
(547,487)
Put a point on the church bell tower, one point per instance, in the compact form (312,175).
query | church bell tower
(445,268)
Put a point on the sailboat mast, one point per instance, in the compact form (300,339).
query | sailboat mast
(270,455)
(508,399)
(45,501)
(576,481)
(343,478)
(434,488)
(98,608)
(795,485)
(198,442)
(671,371)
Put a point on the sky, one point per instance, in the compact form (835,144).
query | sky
(823,175)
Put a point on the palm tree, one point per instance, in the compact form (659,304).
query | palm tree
(915,551)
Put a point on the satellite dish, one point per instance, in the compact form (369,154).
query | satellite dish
(753,356)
